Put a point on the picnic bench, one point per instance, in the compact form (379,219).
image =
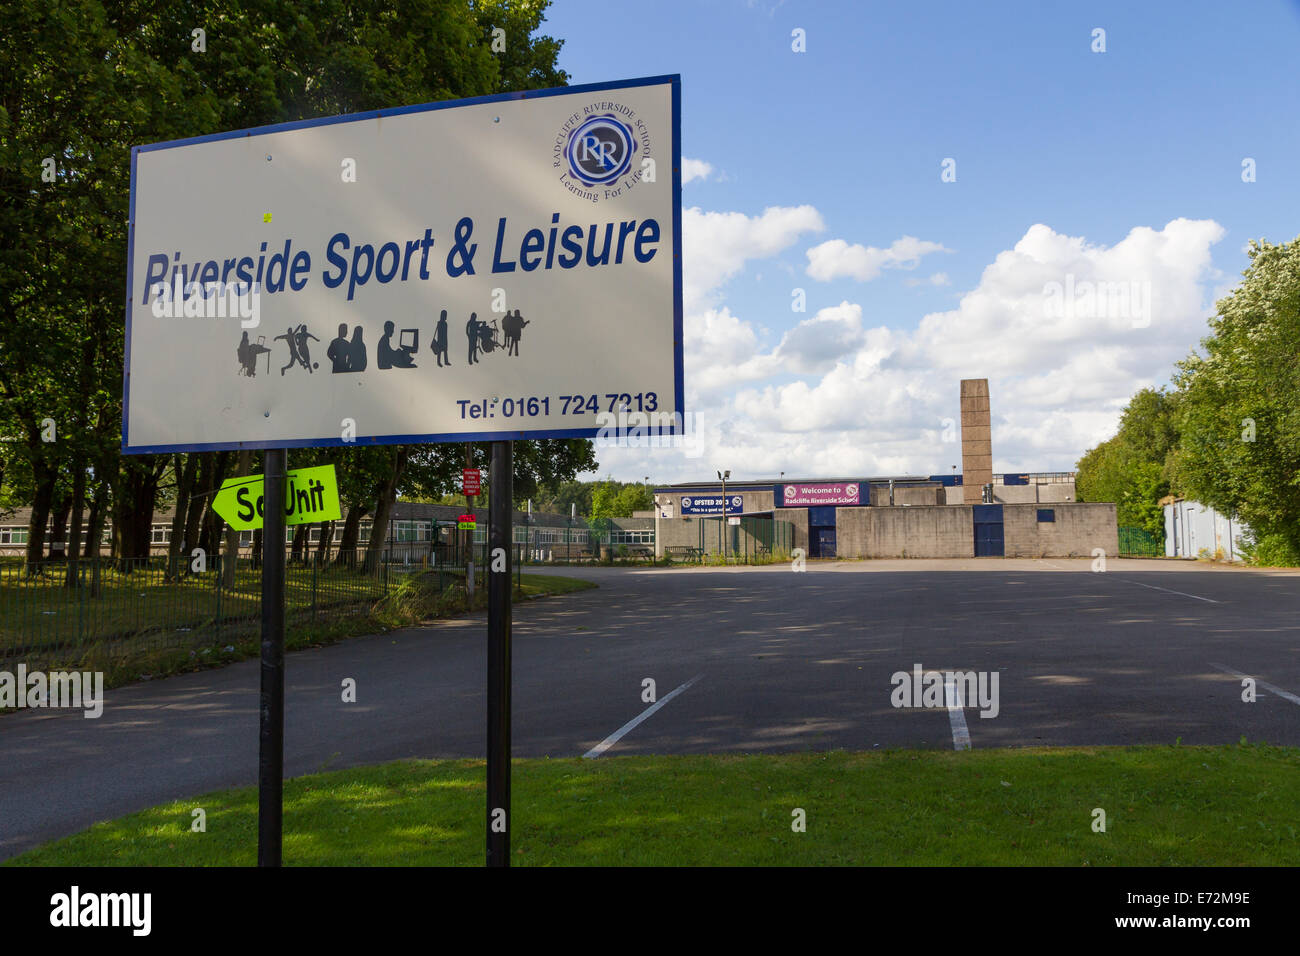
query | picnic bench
(683,551)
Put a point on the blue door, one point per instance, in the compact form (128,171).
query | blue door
(988,531)
(821,531)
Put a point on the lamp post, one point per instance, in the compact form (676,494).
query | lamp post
(722,477)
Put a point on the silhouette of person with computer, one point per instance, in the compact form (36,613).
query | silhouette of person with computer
(390,357)
(248,353)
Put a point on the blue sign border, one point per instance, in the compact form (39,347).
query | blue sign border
(674,80)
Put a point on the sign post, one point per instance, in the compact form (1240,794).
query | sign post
(270,760)
(293,307)
(500,502)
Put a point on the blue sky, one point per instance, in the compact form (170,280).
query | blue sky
(1116,171)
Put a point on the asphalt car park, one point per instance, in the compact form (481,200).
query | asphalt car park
(747,659)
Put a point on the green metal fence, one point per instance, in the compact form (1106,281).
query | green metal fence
(1137,543)
(755,538)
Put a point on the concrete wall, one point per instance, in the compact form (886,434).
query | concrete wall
(934,531)
(1057,491)
(1029,494)
(924,531)
(1016,494)
(1079,527)
(684,530)
(926,494)
(798,517)
(676,532)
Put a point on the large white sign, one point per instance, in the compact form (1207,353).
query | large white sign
(504,267)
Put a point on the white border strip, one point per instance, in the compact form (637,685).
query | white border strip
(956,716)
(1284,694)
(617,735)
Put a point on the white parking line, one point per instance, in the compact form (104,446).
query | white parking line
(614,738)
(1167,591)
(956,716)
(1284,694)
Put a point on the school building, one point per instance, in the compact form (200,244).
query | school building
(904,516)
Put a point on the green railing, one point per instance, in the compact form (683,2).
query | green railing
(754,539)
(1137,543)
(118,609)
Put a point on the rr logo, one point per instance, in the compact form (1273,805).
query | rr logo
(600,150)
(593,145)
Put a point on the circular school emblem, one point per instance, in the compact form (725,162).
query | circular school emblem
(602,151)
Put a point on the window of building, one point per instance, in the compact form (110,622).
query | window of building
(1046,514)
(632,537)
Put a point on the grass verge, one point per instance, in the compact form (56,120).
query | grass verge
(1165,806)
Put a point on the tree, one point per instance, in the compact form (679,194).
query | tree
(81,82)
(1131,469)
(610,499)
(1239,415)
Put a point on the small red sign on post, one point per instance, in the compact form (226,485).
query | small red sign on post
(467,523)
(471,482)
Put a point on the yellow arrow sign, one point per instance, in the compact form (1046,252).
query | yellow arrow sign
(310,494)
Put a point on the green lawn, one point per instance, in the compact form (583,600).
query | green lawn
(1183,806)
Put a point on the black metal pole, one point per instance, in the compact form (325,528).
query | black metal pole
(270,770)
(500,502)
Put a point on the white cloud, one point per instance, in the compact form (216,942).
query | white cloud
(1008,322)
(814,345)
(835,397)
(693,169)
(835,258)
(939,278)
(716,245)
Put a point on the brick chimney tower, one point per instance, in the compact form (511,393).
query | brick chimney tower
(976,439)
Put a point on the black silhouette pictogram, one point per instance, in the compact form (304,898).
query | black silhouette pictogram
(248,353)
(347,356)
(513,327)
(440,340)
(400,357)
(299,354)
